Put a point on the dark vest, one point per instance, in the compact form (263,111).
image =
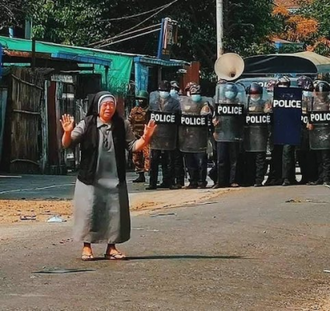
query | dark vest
(89,149)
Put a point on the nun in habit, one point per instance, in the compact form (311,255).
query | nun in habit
(101,207)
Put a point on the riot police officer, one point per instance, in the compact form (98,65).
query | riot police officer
(320,131)
(213,173)
(163,108)
(177,156)
(305,156)
(256,134)
(288,153)
(138,118)
(193,136)
(175,89)
(282,164)
(228,132)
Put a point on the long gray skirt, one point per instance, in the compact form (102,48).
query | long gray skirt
(101,214)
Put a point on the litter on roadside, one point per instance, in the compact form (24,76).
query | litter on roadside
(57,219)
(33,217)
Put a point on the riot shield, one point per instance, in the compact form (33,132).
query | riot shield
(287,111)
(164,113)
(258,121)
(165,135)
(153,97)
(307,101)
(229,114)
(193,126)
(319,117)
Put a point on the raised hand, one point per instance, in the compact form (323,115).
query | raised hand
(149,129)
(67,122)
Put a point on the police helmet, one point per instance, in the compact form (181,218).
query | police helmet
(189,84)
(195,89)
(231,87)
(175,85)
(322,87)
(284,80)
(254,89)
(306,83)
(164,86)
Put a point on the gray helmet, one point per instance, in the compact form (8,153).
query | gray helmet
(322,87)
(175,85)
(195,89)
(306,83)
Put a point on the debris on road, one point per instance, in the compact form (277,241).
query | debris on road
(163,214)
(56,219)
(33,217)
(62,271)
(305,201)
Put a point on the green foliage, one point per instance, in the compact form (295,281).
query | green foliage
(81,22)
(291,48)
(73,22)
(322,49)
(320,10)
(11,13)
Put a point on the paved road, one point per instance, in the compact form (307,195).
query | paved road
(49,186)
(251,250)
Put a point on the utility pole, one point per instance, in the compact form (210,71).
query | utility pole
(219,6)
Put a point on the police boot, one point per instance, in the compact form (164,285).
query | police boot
(141,178)
(286,182)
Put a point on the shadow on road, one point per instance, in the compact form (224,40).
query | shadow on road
(183,257)
(167,257)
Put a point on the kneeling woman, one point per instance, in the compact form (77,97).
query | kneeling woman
(101,207)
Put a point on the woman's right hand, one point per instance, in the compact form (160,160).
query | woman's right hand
(309,126)
(67,123)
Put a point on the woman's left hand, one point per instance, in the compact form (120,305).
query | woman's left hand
(149,130)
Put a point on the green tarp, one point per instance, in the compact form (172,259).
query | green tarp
(119,72)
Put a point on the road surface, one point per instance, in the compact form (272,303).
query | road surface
(254,249)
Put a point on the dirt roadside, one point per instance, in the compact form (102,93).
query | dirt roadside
(18,211)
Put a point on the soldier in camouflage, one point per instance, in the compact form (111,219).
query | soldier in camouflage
(138,118)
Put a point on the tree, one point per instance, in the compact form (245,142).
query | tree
(295,27)
(320,11)
(70,22)
(11,13)
(309,25)
(82,22)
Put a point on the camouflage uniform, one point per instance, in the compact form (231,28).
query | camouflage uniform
(137,119)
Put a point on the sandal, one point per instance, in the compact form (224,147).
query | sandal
(117,256)
(87,257)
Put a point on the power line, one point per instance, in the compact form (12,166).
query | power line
(136,36)
(132,16)
(162,9)
(137,25)
(126,34)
